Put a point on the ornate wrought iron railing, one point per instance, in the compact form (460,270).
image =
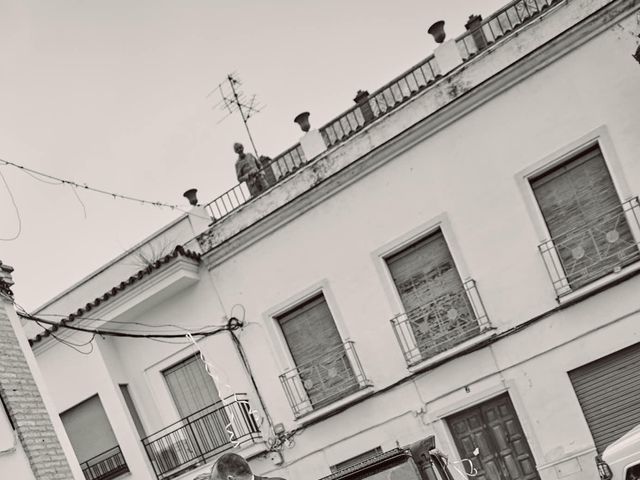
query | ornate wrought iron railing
(500,24)
(105,466)
(270,174)
(198,438)
(380,102)
(440,323)
(326,379)
(605,244)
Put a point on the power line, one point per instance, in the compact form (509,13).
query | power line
(63,181)
(232,324)
(116,333)
(15,206)
(128,322)
(75,185)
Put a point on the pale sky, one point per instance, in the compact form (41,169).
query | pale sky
(112,93)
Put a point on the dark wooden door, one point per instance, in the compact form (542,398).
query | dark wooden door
(494,429)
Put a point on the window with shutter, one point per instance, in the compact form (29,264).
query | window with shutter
(436,304)
(196,397)
(318,352)
(585,218)
(191,387)
(88,429)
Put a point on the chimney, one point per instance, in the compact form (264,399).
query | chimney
(43,445)
(474,25)
(6,280)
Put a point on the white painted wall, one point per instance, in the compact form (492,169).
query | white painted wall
(468,175)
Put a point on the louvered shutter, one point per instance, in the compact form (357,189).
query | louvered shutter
(432,294)
(609,393)
(88,429)
(191,387)
(318,351)
(584,217)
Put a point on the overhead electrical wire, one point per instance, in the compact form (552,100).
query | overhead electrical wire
(15,206)
(232,324)
(146,325)
(87,187)
(57,181)
(119,333)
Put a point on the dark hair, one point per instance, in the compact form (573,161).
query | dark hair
(232,465)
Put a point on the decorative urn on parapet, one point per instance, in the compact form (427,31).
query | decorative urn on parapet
(437,31)
(302,120)
(191,196)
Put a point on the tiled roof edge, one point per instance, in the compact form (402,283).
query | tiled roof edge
(178,251)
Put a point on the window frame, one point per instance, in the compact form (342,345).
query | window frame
(599,137)
(440,223)
(195,357)
(283,355)
(380,256)
(162,398)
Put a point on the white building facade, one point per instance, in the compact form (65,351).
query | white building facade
(455,257)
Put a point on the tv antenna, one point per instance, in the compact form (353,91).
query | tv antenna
(233,99)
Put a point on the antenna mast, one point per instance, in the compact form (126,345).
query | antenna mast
(234,100)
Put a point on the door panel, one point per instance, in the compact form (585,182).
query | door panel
(494,429)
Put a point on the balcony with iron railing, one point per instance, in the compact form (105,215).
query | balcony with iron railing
(381,102)
(441,323)
(326,379)
(200,437)
(105,466)
(276,170)
(605,244)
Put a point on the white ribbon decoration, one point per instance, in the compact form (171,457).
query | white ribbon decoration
(473,471)
(223,388)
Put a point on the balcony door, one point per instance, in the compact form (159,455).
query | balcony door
(433,296)
(206,422)
(192,389)
(93,440)
(585,218)
(318,352)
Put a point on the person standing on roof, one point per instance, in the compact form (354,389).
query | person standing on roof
(249,170)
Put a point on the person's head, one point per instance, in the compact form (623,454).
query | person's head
(238,148)
(231,467)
